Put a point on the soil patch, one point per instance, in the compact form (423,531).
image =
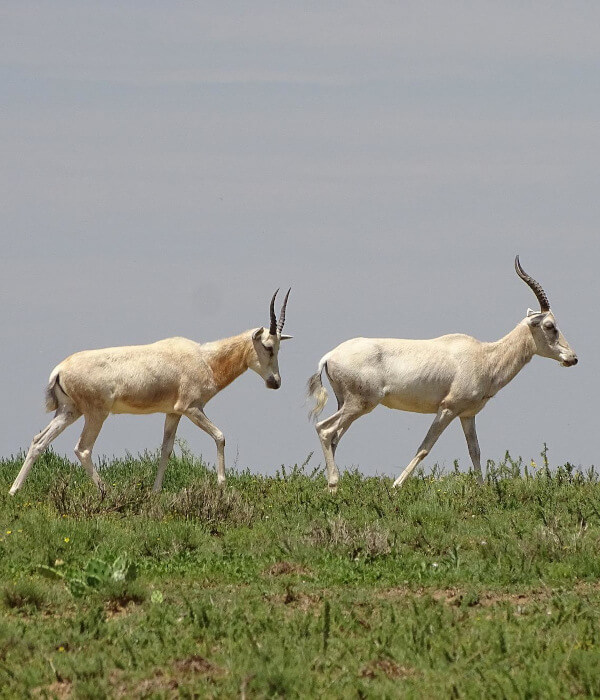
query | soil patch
(283,568)
(198,664)
(58,689)
(388,668)
(471,598)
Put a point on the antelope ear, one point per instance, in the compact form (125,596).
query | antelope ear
(285,337)
(535,317)
(257,335)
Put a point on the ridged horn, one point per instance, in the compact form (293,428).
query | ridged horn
(535,286)
(273,326)
(281,321)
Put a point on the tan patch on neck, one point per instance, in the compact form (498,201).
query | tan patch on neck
(229,361)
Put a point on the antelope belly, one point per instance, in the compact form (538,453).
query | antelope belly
(414,404)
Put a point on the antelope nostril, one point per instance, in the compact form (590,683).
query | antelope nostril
(575,361)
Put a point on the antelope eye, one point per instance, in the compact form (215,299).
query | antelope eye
(549,326)
(269,350)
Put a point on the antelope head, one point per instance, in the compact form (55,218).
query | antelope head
(549,341)
(266,346)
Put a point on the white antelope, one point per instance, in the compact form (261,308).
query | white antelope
(454,375)
(175,376)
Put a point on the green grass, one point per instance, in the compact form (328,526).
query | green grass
(272,587)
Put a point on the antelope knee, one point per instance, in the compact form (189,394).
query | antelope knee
(326,437)
(82,455)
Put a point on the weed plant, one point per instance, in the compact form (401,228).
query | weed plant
(273,587)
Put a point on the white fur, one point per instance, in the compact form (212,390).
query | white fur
(451,376)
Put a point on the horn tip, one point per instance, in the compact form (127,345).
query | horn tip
(518,267)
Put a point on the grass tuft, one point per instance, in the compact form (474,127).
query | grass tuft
(212,504)
(25,595)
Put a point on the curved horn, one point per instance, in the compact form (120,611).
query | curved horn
(282,312)
(535,286)
(273,326)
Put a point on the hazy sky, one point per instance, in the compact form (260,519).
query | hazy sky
(166,165)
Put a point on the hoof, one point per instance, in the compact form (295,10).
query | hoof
(332,488)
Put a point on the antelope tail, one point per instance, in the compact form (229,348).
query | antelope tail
(55,393)
(51,397)
(316,391)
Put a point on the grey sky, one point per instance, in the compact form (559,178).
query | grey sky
(166,166)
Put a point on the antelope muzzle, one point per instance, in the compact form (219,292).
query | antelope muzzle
(273,382)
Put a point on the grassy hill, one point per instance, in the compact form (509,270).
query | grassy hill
(272,587)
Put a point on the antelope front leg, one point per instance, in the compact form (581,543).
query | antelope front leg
(443,419)
(171,423)
(197,416)
(468,426)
